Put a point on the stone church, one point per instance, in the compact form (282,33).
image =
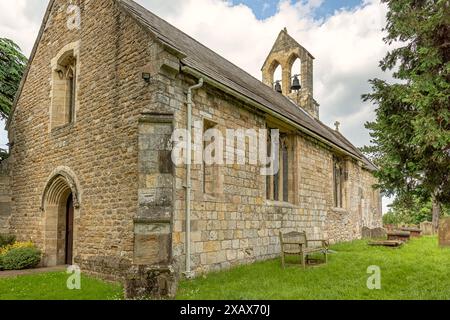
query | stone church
(90,175)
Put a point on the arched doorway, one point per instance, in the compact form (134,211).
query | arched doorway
(59,203)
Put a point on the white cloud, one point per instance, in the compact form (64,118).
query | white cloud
(347,45)
(21,21)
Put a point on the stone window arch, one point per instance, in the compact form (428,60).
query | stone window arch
(278,74)
(60,189)
(295,68)
(64,87)
(275,72)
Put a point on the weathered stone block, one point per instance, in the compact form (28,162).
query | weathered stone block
(152,243)
(444,232)
(143,282)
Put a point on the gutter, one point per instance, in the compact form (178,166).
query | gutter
(241,97)
(188,186)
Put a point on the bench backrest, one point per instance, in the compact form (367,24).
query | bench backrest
(293,237)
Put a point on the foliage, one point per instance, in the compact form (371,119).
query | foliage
(3,154)
(6,239)
(52,286)
(391,218)
(20,258)
(418,270)
(12,66)
(411,133)
(15,245)
(411,210)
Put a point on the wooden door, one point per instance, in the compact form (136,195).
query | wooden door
(69,231)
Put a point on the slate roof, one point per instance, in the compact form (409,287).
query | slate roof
(212,65)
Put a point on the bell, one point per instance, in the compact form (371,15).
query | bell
(278,87)
(296,84)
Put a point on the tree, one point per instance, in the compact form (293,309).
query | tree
(12,66)
(411,133)
(410,209)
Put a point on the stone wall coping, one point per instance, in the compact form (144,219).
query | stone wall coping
(156,117)
(151,220)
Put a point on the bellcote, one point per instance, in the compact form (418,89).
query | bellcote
(284,54)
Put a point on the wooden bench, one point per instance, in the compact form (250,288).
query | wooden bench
(296,243)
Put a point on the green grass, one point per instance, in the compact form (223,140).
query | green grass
(52,286)
(419,270)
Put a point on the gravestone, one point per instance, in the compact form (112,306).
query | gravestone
(427,228)
(414,232)
(444,232)
(376,233)
(399,235)
(366,232)
(379,233)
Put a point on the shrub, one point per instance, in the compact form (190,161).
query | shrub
(6,239)
(20,258)
(16,245)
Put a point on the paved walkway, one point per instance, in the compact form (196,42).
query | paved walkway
(15,273)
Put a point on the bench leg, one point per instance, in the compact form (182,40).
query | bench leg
(282,260)
(303,257)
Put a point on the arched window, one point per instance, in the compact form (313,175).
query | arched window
(277,185)
(340,176)
(277,75)
(212,181)
(296,69)
(64,87)
(284,161)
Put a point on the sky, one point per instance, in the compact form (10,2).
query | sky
(264,9)
(345,37)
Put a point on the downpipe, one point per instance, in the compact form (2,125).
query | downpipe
(188,273)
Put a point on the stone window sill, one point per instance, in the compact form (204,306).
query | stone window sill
(339,210)
(280,204)
(62,129)
(208,197)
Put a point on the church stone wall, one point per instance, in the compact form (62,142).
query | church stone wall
(100,148)
(127,201)
(5,197)
(239,225)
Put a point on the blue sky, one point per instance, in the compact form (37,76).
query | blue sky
(267,8)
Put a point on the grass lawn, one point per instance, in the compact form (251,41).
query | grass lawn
(52,286)
(418,270)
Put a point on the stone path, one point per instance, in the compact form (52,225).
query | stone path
(15,273)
